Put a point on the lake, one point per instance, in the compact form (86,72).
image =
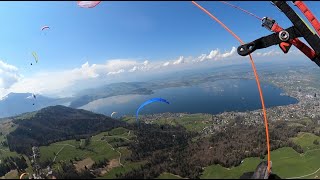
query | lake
(212,97)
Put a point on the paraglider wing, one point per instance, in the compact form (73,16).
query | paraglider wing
(45,27)
(21,176)
(148,102)
(88,4)
(113,113)
(34,54)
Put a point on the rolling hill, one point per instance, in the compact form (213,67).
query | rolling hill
(56,123)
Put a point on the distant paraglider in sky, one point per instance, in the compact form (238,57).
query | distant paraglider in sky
(113,113)
(148,102)
(35,56)
(88,4)
(34,97)
(45,27)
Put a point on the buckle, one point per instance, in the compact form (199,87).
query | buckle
(267,23)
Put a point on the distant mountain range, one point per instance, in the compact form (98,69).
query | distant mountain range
(17,103)
(115,89)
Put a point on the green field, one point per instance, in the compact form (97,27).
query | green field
(128,166)
(100,147)
(119,131)
(192,122)
(168,176)
(5,153)
(6,127)
(286,162)
(129,119)
(97,149)
(217,171)
(305,140)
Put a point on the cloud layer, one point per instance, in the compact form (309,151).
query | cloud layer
(65,81)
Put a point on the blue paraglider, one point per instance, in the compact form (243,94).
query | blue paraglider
(148,102)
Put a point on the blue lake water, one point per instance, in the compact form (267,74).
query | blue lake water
(213,97)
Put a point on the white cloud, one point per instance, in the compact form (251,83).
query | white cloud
(179,61)
(87,71)
(8,75)
(145,63)
(229,54)
(66,81)
(30,97)
(116,72)
(133,69)
(213,54)
(166,63)
(276,51)
(269,53)
(216,55)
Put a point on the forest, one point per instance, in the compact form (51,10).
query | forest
(57,123)
(172,149)
(11,163)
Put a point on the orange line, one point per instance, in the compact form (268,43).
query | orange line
(256,77)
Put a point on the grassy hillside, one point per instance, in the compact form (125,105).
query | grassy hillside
(286,162)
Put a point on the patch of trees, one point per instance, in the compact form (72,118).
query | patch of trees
(151,138)
(100,164)
(11,163)
(57,123)
(68,171)
(162,146)
(4,143)
(87,141)
(179,155)
(46,163)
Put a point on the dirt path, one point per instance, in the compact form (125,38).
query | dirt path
(119,137)
(64,145)
(113,150)
(54,159)
(304,175)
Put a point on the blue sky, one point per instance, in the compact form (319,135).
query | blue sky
(129,31)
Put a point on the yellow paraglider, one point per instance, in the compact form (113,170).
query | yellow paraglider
(34,54)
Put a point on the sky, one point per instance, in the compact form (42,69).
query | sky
(122,41)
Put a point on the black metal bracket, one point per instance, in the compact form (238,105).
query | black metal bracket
(270,40)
